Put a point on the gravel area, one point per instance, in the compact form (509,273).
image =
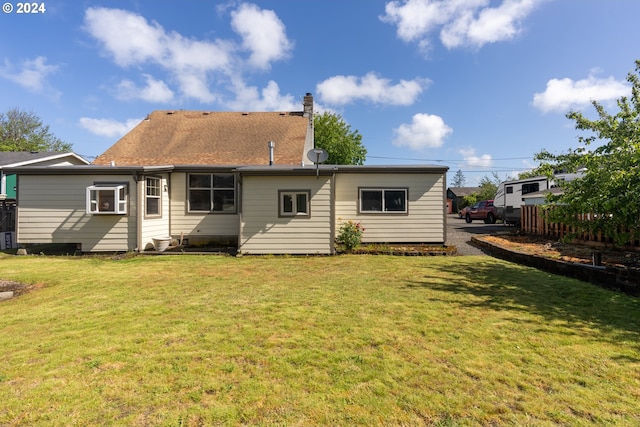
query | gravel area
(459,234)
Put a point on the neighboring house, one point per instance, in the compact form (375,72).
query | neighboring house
(208,177)
(457,195)
(11,159)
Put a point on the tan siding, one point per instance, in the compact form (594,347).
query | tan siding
(424,222)
(51,209)
(263,231)
(197,225)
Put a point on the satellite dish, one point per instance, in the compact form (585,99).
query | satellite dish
(317,155)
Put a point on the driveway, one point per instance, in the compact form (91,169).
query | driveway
(459,233)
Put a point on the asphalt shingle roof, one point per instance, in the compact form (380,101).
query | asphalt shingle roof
(12,157)
(211,138)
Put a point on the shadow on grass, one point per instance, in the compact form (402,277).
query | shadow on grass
(507,286)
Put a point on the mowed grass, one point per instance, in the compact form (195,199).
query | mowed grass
(300,341)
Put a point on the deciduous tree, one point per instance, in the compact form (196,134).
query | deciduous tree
(24,131)
(605,199)
(334,135)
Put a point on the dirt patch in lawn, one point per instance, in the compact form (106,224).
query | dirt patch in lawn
(16,287)
(569,252)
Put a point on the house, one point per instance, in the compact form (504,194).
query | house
(457,195)
(10,159)
(244,178)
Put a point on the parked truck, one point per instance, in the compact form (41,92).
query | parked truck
(483,210)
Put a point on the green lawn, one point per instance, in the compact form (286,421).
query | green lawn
(346,340)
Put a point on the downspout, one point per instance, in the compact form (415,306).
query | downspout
(332,214)
(139,202)
(169,178)
(239,201)
(444,210)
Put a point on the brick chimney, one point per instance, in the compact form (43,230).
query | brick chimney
(308,105)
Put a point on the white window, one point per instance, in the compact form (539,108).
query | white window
(383,200)
(107,199)
(212,192)
(294,203)
(153,197)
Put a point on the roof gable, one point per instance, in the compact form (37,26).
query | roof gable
(211,138)
(463,191)
(24,158)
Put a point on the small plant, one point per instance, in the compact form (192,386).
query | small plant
(350,235)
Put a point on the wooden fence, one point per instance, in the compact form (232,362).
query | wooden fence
(534,220)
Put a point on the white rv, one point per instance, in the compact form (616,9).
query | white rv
(509,196)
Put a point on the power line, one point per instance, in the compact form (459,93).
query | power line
(442,160)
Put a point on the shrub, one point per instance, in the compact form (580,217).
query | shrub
(350,235)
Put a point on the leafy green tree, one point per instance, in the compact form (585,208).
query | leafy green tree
(488,189)
(24,131)
(334,135)
(458,179)
(605,199)
(528,174)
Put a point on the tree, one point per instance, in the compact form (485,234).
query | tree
(24,131)
(528,174)
(488,189)
(334,135)
(605,199)
(458,179)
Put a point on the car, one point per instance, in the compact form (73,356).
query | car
(484,210)
(463,212)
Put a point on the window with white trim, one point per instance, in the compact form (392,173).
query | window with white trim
(107,199)
(294,203)
(212,192)
(383,200)
(153,196)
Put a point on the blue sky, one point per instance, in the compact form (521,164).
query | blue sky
(475,85)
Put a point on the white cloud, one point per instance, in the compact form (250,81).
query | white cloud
(471,159)
(131,40)
(565,94)
(263,34)
(461,22)
(341,90)
(195,66)
(249,98)
(128,37)
(425,131)
(31,75)
(108,127)
(155,91)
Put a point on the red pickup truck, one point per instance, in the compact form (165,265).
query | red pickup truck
(482,210)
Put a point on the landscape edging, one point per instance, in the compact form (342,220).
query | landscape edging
(618,279)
